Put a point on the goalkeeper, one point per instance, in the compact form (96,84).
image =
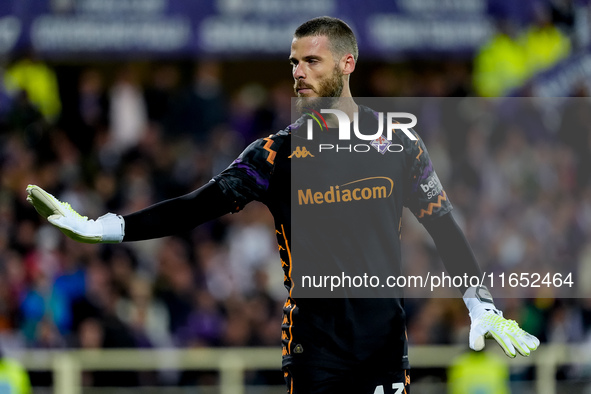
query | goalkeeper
(348,345)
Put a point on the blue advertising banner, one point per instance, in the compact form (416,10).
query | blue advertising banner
(569,77)
(236,28)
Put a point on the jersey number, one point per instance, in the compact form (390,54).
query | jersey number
(399,387)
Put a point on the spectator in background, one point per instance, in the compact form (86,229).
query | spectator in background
(13,377)
(38,81)
(24,116)
(147,316)
(478,373)
(543,43)
(89,114)
(12,286)
(128,114)
(205,323)
(249,115)
(174,282)
(501,63)
(42,308)
(161,97)
(202,106)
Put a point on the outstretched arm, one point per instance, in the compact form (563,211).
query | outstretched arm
(178,214)
(245,180)
(159,220)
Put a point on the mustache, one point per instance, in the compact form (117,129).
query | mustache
(302,85)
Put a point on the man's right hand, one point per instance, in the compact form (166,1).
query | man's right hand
(109,228)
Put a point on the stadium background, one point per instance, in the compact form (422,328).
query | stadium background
(114,105)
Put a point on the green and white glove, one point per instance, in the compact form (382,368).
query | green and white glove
(109,228)
(488,322)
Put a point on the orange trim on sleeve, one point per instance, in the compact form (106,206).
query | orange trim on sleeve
(291,287)
(267,147)
(433,205)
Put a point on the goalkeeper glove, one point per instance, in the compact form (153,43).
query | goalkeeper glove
(109,228)
(488,322)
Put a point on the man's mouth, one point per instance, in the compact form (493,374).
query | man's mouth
(304,90)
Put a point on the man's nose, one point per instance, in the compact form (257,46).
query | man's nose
(298,72)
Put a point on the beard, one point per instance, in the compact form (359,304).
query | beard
(329,91)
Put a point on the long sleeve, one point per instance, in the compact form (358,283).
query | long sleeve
(453,247)
(178,214)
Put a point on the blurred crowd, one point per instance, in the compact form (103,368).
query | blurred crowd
(517,171)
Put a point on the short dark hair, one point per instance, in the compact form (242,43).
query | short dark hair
(341,37)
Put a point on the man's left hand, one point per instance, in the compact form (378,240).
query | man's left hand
(488,322)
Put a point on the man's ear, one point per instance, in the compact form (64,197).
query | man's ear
(347,64)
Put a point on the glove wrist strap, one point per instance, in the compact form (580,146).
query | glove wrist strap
(113,228)
(478,295)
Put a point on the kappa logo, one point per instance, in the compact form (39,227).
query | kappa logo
(300,153)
